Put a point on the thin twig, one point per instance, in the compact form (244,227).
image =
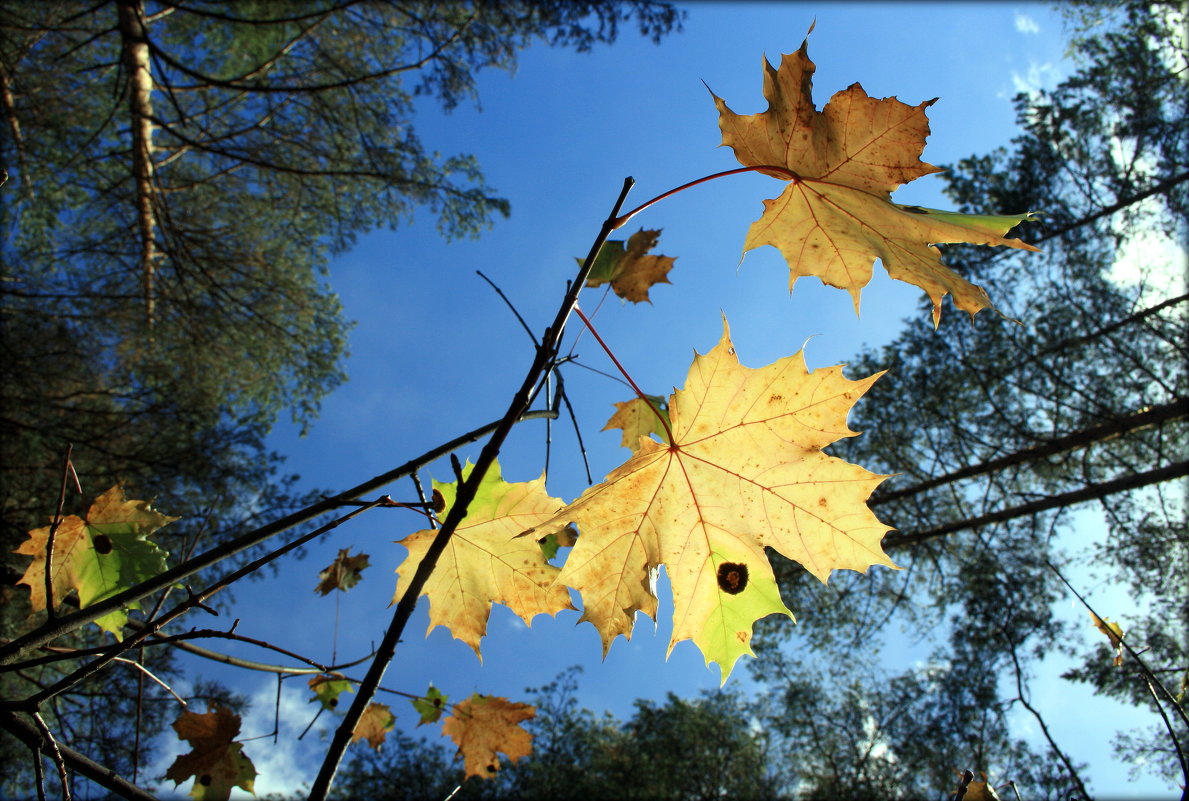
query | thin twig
(561,391)
(55,753)
(31,736)
(194,600)
(792,176)
(542,361)
(504,298)
(639,392)
(51,630)
(1148,676)
(38,773)
(1069,766)
(146,672)
(50,606)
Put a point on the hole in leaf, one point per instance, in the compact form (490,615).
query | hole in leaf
(102,544)
(732,577)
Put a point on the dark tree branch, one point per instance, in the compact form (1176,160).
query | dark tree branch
(28,734)
(44,634)
(1077,439)
(542,362)
(1092,492)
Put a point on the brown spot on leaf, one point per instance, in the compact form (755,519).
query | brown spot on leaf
(732,577)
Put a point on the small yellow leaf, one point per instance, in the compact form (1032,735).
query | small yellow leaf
(482,726)
(640,417)
(375,723)
(1114,633)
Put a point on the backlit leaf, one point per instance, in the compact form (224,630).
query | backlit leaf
(484,726)
(631,270)
(215,762)
(341,574)
(99,557)
(745,471)
(640,418)
(430,706)
(486,561)
(375,723)
(836,217)
(327,690)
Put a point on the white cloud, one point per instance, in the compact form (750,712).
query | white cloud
(1039,76)
(1025,24)
(287,767)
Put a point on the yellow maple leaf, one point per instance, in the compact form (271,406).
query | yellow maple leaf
(215,762)
(99,556)
(745,471)
(374,724)
(486,560)
(482,726)
(836,216)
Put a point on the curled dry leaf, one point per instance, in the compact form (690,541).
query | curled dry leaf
(343,573)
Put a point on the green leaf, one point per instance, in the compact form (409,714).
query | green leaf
(430,706)
(608,259)
(327,690)
(99,557)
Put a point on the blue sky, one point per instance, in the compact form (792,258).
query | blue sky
(436,353)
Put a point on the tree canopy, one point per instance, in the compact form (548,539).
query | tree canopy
(1054,447)
(179,173)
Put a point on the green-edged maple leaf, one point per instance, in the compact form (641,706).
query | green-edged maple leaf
(640,418)
(481,726)
(327,690)
(836,217)
(215,762)
(630,270)
(99,556)
(430,706)
(341,574)
(486,560)
(374,724)
(745,471)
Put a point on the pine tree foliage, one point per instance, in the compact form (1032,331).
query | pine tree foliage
(179,174)
(1061,439)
